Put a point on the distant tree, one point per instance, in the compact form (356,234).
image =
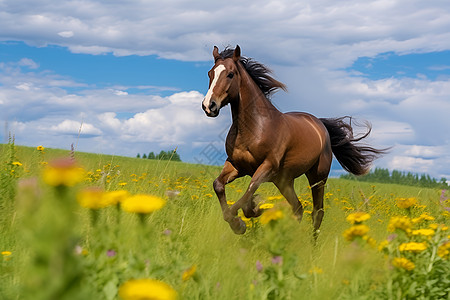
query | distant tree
(151,155)
(144,155)
(138,156)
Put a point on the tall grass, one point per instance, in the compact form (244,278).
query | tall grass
(56,249)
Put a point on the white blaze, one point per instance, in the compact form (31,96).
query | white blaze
(206,102)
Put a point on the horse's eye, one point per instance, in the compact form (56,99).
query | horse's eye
(230,75)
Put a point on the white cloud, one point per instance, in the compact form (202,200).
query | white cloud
(305,42)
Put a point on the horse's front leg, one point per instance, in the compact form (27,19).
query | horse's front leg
(228,174)
(262,174)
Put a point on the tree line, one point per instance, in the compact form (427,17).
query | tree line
(384,176)
(163,155)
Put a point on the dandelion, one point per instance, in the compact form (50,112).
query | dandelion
(92,198)
(384,244)
(402,223)
(62,172)
(266,206)
(271,198)
(189,273)
(40,148)
(16,164)
(142,204)
(406,202)
(355,231)
(271,215)
(357,217)
(315,270)
(122,184)
(403,263)
(145,289)
(444,250)
(115,197)
(413,247)
(6,253)
(423,232)
(423,217)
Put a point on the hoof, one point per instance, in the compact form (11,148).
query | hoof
(238,226)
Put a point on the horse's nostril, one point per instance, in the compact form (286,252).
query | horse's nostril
(213,106)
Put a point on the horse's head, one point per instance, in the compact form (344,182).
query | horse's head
(223,82)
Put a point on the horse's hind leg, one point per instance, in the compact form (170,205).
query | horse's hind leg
(228,174)
(286,188)
(317,178)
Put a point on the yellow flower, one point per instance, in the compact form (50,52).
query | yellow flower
(444,250)
(16,164)
(142,204)
(403,263)
(91,198)
(423,217)
(355,231)
(122,183)
(271,215)
(423,232)
(40,148)
(266,206)
(271,198)
(406,202)
(6,253)
(146,289)
(383,245)
(403,223)
(315,270)
(62,172)
(189,273)
(114,197)
(357,217)
(413,247)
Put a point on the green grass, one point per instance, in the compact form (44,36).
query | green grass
(57,252)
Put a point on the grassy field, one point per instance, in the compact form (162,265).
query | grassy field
(377,241)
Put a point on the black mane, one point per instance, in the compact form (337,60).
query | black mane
(258,72)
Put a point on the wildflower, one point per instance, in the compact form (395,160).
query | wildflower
(315,270)
(271,215)
(423,217)
(142,204)
(357,217)
(413,247)
(383,245)
(355,231)
(115,197)
(406,202)
(91,198)
(62,172)
(259,266)
(444,250)
(189,273)
(423,232)
(271,198)
(40,148)
(266,206)
(122,183)
(277,260)
(6,253)
(111,253)
(208,195)
(16,164)
(143,289)
(403,263)
(402,223)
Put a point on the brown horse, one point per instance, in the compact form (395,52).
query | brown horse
(272,146)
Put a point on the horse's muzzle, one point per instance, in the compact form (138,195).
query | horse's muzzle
(212,110)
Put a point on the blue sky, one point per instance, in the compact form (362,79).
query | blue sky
(132,74)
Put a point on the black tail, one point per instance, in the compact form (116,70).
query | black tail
(354,158)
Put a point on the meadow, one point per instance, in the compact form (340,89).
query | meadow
(90,226)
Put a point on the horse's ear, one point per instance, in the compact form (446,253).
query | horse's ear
(216,54)
(237,53)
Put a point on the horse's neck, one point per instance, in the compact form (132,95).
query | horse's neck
(252,109)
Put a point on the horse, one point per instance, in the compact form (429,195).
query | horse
(271,146)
